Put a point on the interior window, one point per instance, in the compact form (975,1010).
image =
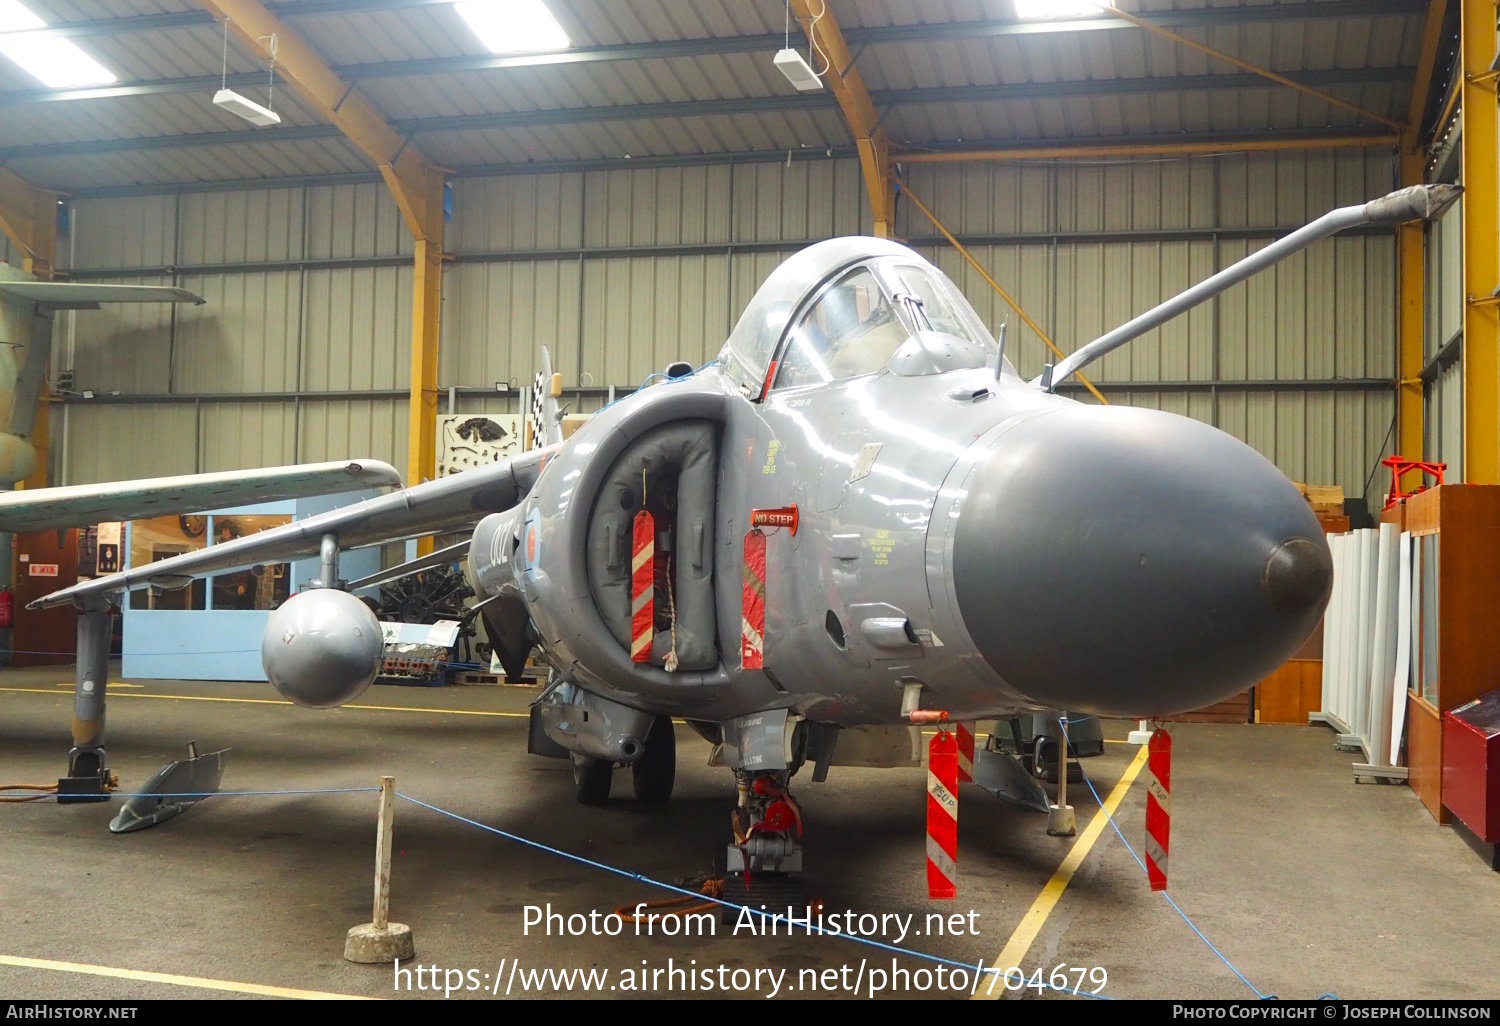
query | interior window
(260,587)
(162,538)
(852,329)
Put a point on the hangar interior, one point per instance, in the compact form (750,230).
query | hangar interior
(432,205)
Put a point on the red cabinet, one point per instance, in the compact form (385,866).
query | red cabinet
(1471,765)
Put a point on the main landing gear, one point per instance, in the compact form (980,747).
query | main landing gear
(653,772)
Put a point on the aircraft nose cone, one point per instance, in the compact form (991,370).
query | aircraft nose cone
(1130,562)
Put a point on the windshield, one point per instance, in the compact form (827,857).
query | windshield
(851,329)
(746,355)
(936,307)
(943,306)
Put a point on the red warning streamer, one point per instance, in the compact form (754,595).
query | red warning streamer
(642,587)
(1158,808)
(753,610)
(942,816)
(966,752)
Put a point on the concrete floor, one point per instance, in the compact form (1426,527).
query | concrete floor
(1306,881)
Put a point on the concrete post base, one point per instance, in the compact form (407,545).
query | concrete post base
(1060,821)
(370,944)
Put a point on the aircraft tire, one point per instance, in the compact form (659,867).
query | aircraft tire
(1044,763)
(654,773)
(592,779)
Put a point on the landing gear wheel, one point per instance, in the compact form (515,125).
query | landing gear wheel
(656,770)
(591,779)
(775,891)
(1044,763)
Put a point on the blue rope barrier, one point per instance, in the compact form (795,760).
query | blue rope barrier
(977,969)
(642,878)
(450,663)
(1178,909)
(207,794)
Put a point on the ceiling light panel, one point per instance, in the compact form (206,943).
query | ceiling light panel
(1038,9)
(514,26)
(57,63)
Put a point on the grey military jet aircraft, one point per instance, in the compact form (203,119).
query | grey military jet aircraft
(858,514)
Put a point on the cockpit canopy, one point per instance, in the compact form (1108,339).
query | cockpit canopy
(842,308)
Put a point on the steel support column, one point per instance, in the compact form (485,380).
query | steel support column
(859,110)
(427,305)
(414,181)
(1411,319)
(1481,249)
(1411,259)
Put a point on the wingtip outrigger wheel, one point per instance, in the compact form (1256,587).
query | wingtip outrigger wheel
(89,778)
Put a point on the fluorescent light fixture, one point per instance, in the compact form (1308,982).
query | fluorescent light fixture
(514,26)
(797,71)
(57,63)
(1037,9)
(246,108)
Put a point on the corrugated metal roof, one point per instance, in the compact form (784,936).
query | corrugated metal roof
(172,50)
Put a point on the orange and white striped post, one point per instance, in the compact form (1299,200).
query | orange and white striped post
(1158,807)
(942,815)
(965,733)
(642,587)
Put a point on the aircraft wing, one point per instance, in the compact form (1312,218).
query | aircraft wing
(433,507)
(66,295)
(42,509)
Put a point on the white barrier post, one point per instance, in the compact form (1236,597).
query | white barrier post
(381,940)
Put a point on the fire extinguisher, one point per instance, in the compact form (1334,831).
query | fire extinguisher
(7,608)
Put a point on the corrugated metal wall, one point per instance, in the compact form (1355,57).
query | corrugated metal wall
(619,272)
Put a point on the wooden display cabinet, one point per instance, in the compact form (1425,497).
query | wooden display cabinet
(1456,600)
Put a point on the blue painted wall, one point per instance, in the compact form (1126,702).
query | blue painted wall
(224,644)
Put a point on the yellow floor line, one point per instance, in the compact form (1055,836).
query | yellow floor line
(278,701)
(200,982)
(113,684)
(1031,923)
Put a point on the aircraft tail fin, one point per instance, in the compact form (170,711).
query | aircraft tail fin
(546,416)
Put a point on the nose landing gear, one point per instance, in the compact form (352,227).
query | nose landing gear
(763,867)
(764,864)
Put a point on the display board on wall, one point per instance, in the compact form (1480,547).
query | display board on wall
(465,442)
